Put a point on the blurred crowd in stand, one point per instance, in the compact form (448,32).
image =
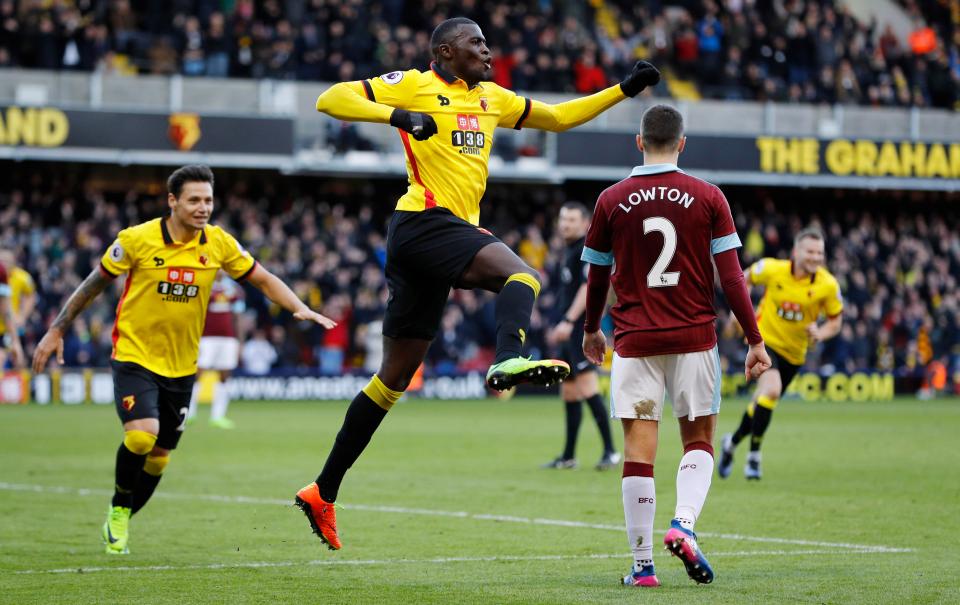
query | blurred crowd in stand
(812,51)
(898,262)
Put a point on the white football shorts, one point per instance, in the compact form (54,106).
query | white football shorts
(638,385)
(218,353)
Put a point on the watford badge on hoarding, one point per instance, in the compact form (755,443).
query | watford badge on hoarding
(128,402)
(184,131)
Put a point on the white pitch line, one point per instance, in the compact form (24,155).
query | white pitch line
(455,514)
(433,561)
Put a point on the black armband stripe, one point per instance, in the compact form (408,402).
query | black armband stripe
(369,90)
(248,272)
(523,116)
(106,272)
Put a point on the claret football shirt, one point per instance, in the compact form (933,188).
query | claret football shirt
(660,228)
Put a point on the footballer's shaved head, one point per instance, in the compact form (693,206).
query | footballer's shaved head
(446,32)
(661,128)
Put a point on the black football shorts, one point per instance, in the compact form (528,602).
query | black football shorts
(427,252)
(139,393)
(787,370)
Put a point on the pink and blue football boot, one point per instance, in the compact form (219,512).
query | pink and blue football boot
(645,578)
(683,544)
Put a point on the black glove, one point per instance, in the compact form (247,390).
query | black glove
(644,74)
(420,125)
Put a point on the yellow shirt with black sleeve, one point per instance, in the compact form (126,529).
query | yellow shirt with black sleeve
(20,284)
(790,304)
(450,168)
(163,307)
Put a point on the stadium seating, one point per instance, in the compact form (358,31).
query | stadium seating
(803,51)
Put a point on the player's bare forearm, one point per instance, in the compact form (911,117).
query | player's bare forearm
(278,292)
(274,289)
(830,328)
(86,292)
(570,114)
(342,102)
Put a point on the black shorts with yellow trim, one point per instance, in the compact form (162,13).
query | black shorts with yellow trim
(787,370)
(427,252)
(139,393)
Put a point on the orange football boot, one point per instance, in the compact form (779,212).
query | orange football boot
(320,514)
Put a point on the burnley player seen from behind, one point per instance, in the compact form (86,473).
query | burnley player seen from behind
(446,118)
(665,230)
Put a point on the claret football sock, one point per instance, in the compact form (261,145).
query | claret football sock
(573,414)
(513,308)
(693,482)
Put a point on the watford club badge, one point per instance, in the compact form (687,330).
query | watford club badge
(184,131)
(483,103)
(128,402)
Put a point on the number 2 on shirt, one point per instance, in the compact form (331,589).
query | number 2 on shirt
(657,278)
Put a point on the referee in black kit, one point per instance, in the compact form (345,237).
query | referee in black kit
(567,335)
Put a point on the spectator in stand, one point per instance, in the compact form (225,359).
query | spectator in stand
(258,355)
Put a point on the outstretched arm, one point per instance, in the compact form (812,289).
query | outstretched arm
(345,101)
(825,331)
(570,114)
(278,292)
(89,289)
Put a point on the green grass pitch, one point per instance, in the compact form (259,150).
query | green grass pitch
(858,504)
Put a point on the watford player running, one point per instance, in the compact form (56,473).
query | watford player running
(446,118)
(798,292)
(170,264)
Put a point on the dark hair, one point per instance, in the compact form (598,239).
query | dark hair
(445,31)
(661,128)
(193,173)
(811,232)
(573,205)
